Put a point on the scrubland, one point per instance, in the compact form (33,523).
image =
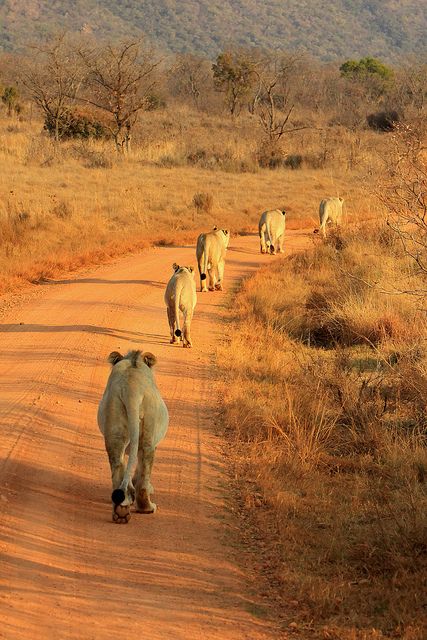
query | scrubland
(325,389)
(78,202)
(326,363)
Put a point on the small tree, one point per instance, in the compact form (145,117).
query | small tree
(190,76)
(276,100)
(10,98)
(365,67)
(119,82)
(234,75)
(53,79)
(373,77)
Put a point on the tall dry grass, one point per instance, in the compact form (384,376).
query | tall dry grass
(324,403)
(66,205)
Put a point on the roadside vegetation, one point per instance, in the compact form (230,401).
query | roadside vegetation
(324,403)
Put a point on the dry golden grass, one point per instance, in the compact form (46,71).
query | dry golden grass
(324,403)
(78,203)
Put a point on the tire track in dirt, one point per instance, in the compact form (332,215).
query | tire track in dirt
(67,572)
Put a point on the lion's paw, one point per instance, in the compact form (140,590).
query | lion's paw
(146,506)
(121,513)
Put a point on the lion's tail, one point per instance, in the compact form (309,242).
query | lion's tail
(205,262)
(178,331)
(269,233)
(132,410)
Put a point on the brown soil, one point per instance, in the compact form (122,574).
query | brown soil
(67,572)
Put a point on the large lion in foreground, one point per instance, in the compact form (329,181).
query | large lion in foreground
(132,413)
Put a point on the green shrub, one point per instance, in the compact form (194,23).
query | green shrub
(77,126)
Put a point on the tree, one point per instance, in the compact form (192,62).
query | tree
(234,75)
(403,191)
(190,77)
(10,98)
(53,79)
(276,95)
(411,86)
(364,68)
(119,81)
(369,77)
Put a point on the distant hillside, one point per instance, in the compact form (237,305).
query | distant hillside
(329,30)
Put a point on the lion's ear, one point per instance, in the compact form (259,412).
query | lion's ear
(114,357)
(149,359)
(175,266)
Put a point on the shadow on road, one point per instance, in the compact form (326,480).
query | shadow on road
(71,328)
(149,283)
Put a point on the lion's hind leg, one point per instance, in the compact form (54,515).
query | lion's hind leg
(172,324)
(121,501)
(143,485)
(214,278)
(188,315)
(220,270)
(262,238)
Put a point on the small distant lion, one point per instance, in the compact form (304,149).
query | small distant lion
(330,212)
(210,252)
(180,296)
(132,414)
(271,229)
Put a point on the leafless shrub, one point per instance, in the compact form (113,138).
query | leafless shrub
(270,155)
(203,202)
(98,160)
(293,161)
(169,161)
(62,210)
(403,191)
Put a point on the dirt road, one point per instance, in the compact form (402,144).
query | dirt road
(67,572)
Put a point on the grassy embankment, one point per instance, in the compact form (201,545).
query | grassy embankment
(325,403)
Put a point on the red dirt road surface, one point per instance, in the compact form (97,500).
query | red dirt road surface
(67,572)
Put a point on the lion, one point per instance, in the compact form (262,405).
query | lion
(180,295)
(271,230)
(210,252)
(330,212)
(132,414)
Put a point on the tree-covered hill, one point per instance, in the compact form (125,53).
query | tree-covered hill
(329,30)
